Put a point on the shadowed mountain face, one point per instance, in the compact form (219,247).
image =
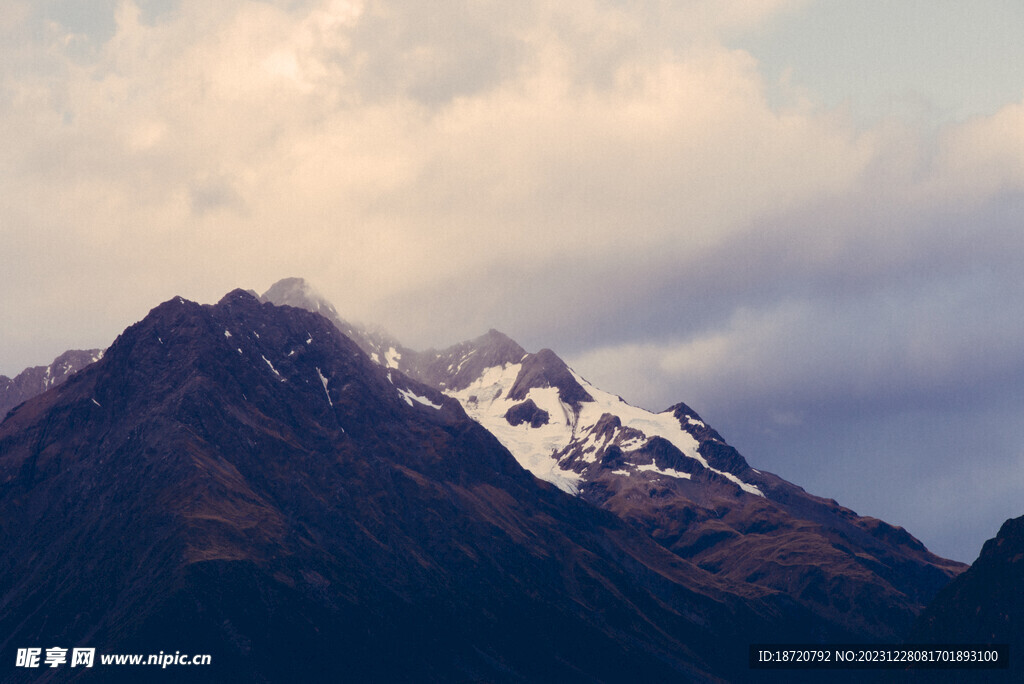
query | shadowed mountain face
(242,480)
(673,476)
(984,605)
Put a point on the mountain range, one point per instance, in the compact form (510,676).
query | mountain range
(673,476)
(305,498)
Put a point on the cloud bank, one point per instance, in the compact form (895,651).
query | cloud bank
(618,181)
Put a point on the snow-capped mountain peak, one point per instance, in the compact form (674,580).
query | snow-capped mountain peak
(560,427)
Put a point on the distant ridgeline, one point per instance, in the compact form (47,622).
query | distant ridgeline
(33,381)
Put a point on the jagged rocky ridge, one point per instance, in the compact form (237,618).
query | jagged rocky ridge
(242,480)
(36,380)
(673,476)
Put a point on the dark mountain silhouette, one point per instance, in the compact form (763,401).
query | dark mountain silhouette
(242,480)
(984,605)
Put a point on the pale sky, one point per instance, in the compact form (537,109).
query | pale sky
(801,218)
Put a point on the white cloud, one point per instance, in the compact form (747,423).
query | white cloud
(260,138)
(387,149)
(984,156)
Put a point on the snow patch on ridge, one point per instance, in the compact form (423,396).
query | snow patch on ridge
(742,485)
(664,425)
(670,472)
(410,397)
(323,381)
(486,401)
(274,370)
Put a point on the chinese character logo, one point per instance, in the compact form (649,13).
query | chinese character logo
(28,657)
(83,657)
